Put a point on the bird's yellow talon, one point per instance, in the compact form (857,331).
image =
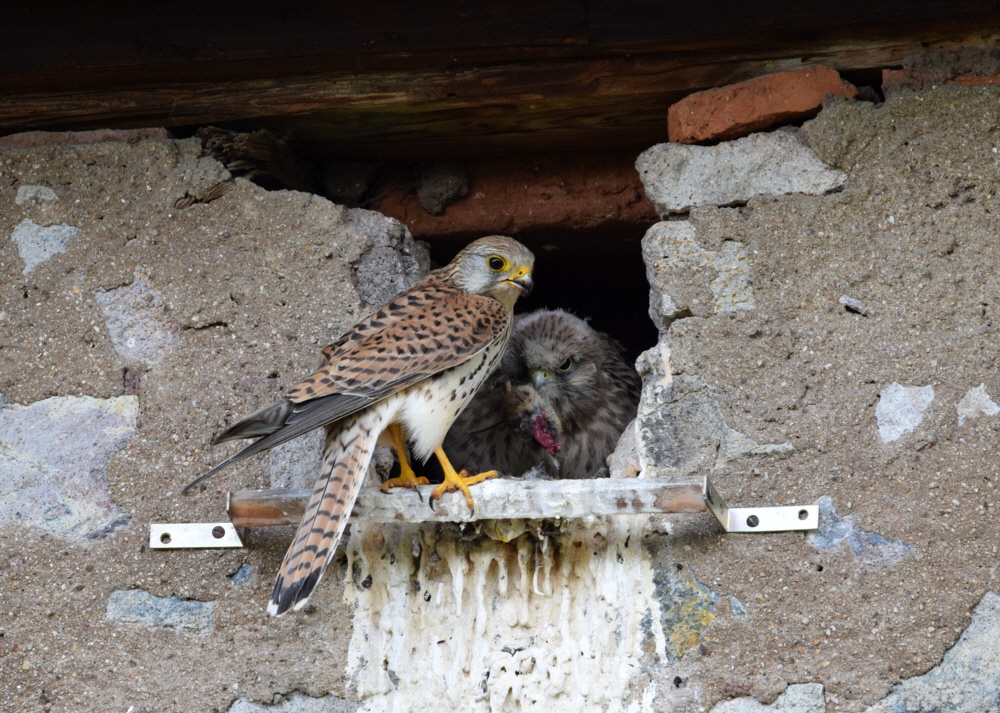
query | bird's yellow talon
(410,481)
(407,478)
(458,481)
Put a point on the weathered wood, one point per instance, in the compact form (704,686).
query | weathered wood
(436,112)
(117,42)
(415,83)
(500,499)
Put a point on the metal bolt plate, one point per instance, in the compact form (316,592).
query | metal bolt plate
(782,518)
(192,535)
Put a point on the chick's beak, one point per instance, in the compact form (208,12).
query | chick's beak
(540,376)
(521,278)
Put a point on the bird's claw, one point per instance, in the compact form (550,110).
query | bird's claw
(404,481)
(461,481)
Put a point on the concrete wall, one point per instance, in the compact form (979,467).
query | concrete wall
(131,329)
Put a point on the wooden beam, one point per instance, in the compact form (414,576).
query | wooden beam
(438,112)
(120,42)
(501,499)
(401,81)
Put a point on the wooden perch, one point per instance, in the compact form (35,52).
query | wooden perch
(495,500)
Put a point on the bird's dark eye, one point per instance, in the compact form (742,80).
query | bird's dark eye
(497,263)
(566,365)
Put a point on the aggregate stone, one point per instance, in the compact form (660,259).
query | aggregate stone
(37,193)
(678,268)
(296,702)
(976,402)
(54,458)
(901,409)
(687,605)
(868,547)
(968,678)
(680,429)
(678,177)
(393,263)
(799,698)
(440,185)
(136,606)
(37,243)
(243,574)
(141,327)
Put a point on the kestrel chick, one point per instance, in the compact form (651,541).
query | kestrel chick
(561,398)
(407,370)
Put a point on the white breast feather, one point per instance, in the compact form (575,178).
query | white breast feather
(429,410)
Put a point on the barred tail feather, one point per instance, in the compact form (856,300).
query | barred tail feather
(348,453)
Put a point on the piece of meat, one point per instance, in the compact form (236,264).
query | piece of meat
(540,429)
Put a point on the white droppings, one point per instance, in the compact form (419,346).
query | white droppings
(519,621)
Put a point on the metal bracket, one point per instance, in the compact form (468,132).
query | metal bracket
(193,535)
(783,518)
(549,499)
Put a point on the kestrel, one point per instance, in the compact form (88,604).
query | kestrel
(406,371)
(560,400)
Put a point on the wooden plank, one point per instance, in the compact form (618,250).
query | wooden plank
(772,25)
(184,39)
(501,499)
(165,39)
(404,81)
(431,113)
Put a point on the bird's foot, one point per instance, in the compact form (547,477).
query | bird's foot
(407,479)
(460,481)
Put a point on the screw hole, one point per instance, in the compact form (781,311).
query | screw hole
(803,514)
(753,521)
(165,538)
(218,532)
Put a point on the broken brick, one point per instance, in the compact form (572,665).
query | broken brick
(740,109)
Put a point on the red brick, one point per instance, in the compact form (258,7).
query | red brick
(894,76)
(511,196)
(971,81)
(759,103)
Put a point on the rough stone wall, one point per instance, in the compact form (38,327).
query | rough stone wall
(878,407)
(131,329)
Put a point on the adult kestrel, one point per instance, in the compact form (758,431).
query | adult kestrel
(406,371)
(560,400)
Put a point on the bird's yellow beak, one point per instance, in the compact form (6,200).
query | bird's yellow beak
(540,376)
(522,280)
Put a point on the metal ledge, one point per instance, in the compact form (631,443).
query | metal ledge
(501,499)
(533,500)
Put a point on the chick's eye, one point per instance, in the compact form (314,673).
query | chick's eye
(566,365)
(497,263)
